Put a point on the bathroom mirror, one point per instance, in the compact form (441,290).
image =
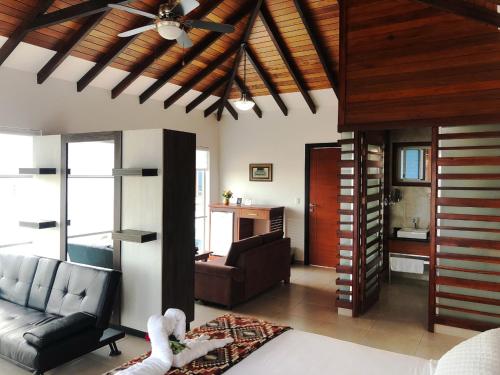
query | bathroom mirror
(411,164)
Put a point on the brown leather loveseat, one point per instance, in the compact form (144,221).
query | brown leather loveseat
(252,266)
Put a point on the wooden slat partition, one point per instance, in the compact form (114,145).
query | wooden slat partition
(465,261)
(347,248)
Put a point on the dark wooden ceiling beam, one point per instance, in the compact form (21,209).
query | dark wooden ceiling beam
(315,37)
(266,80)
(65,51)
(201,75)
(84,9)
(193,53)
(206,94)
(22,30)
(244,89)
(216,105)
(237,59)
(108,57)
(286,56)
(467,10)
(159,51)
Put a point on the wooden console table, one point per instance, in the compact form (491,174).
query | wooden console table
(249,221)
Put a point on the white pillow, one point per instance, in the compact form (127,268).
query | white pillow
(479,355)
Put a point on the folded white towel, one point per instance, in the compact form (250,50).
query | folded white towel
(407,265)
(162,358)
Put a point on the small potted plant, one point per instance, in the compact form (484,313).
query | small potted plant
(227,195)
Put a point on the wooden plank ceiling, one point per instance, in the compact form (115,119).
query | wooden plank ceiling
(296,65)
(412,63)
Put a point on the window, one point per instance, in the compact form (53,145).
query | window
(202,194)
(16,151)
(412,164)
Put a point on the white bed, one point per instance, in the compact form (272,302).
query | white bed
(298,352)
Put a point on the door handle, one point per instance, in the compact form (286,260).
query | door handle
(312,206)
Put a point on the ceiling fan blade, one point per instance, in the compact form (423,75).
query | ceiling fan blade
(137,31)
(185,6)
(184,40)
(133,10)
(212,26)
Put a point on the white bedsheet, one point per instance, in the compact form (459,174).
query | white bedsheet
(297,352)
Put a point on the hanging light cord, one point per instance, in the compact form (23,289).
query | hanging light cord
(245,70)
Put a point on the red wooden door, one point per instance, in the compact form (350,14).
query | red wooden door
(324,187)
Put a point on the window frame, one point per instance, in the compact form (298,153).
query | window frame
(397,149)
(206,184)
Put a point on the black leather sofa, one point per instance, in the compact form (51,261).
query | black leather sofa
(52,312)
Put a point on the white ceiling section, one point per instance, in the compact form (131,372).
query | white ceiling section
(29,58)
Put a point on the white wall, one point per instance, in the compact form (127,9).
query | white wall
(56,107)
(281,141)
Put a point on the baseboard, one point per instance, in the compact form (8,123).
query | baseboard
(130,331)
(298,262)
(454,331)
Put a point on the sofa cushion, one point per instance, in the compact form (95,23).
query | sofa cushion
(59,329)
(272,236)
(42,283)
(16,276)
(239,247)
(83,289)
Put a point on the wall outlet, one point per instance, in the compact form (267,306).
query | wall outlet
(298,201)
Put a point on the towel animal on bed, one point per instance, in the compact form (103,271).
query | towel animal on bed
(162,358)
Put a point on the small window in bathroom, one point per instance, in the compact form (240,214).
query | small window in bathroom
(412,164)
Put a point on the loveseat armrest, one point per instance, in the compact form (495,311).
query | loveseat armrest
(56,330)
(220,270)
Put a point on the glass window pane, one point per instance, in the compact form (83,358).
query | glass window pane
(200,234)
(412,164)
(16,151)
(91,158)
(200,193)
(201,159)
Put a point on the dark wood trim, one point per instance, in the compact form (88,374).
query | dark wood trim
(316,40)
(307,188)
(266,79)
(201,75)
(286,56)
(206,94)
(467,10)
(23,29)
(239,54)
(231,110)
(395,159)
(84,9)
(65,51)
(431,312)
(216,105)
(179,166)
(342,64)
(194,52)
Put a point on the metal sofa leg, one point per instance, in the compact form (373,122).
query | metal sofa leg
(114,350)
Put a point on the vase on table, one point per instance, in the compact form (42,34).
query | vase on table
(226,201)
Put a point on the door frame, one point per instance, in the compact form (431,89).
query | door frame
(308,148)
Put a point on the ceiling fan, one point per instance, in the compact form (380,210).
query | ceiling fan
(169,23)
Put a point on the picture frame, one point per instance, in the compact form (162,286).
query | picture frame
(238,201)
(261,172)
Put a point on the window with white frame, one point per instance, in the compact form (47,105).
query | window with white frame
(16,151)
(202,200)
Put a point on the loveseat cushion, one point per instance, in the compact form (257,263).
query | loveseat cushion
(272,236)
(239,247)
(56,330)
(42,283)
(83,289)
(16,276)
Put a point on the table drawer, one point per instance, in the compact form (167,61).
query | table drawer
(254,214)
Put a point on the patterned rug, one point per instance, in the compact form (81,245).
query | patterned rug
(249,334)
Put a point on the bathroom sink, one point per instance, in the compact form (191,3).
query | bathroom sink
(417,234)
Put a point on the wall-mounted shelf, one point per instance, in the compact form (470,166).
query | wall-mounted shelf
(130,235)
(143,172)
(41,224)
(37,171)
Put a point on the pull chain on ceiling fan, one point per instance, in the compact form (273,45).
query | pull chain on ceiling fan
(169,22)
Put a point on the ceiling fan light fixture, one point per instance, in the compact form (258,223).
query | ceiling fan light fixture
(170,30)
(244,104)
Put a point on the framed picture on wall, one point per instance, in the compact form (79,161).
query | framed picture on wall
(261,172)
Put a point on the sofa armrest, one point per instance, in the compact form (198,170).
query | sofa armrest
(219,270)
(56,330)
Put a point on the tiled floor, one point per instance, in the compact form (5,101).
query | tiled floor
(397,323)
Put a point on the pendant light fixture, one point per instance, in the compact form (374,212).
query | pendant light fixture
(244,103)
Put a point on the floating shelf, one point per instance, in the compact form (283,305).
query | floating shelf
(144,172)
(42,224)
(37,171)
(130,235)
